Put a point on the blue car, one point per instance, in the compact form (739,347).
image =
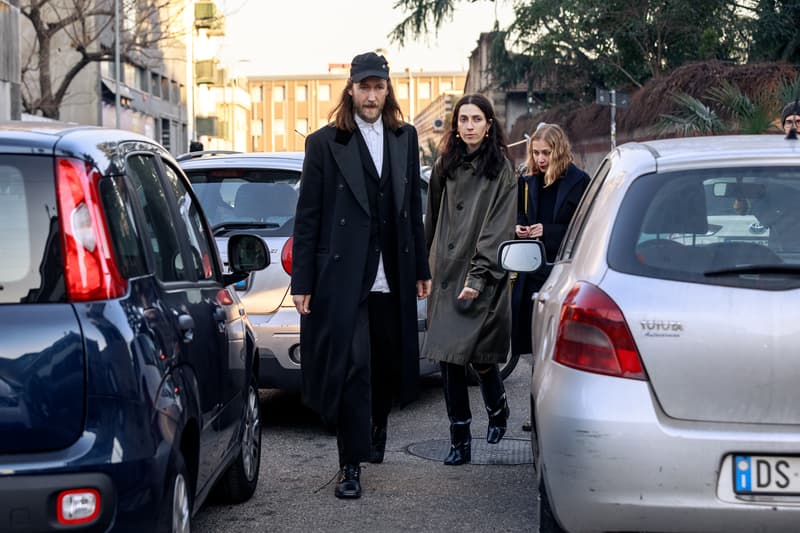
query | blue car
(128,367)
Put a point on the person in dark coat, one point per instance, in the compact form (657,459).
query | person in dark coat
(359,263)
(470,213)
(548,195)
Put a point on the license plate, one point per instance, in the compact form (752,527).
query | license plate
(766,474)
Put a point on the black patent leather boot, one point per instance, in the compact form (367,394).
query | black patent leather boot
(498,422)
(348,483)
(378,444)
(494,397)
(460,444)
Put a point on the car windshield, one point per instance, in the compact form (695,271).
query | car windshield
(736,227)
(233,198)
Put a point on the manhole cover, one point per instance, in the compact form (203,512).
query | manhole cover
(506,452)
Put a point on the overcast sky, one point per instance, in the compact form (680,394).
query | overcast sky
(272,37)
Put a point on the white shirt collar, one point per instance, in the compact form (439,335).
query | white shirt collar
(365,126)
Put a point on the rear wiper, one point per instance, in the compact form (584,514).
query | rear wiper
(755,269)
(228,226)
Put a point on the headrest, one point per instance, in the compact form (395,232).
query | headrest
(679,207)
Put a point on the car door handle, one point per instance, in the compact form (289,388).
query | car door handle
(186,323)
(540,299)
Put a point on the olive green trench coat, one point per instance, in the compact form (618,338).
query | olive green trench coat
(468,216)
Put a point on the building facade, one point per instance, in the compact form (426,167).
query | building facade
(10,104)
(152,84)
(285,109)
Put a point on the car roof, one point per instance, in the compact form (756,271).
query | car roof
(281,160)
(719,150)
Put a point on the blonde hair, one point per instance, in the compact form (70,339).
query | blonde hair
(561,155)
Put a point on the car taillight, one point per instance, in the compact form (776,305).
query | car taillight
(77,506)
(90,270)
(593,335)
(286,255)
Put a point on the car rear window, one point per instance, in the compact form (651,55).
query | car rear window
(31,270)
(737,227)
(260,196)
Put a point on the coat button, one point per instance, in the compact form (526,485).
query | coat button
(404,214)
(405,249)
(340,187)
(451,246)
(444,284)
(460,206)
(377,249)
(342,222)
(336,257)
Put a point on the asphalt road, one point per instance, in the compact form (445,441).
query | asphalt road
(404,493)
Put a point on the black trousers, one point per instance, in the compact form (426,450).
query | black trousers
(372,378)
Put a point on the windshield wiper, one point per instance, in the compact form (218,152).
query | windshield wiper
(754,269)
(228,226)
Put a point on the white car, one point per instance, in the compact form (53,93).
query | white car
(664,394)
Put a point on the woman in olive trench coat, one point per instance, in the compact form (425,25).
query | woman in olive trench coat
(471,210)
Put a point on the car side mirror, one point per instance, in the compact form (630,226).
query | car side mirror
(522,256)
(246,253)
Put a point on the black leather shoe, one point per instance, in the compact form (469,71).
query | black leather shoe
(378,444)
(348,485)
(459,454)
(497,424)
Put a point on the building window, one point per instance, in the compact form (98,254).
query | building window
(424,90)
(278,94)
(255,94)
(402,91)
(165,88)
(446,86)
(257,128)
(322,123)
(324,93)
(176,92)
(155,84)
(278,126)
(301,125)
(300,93)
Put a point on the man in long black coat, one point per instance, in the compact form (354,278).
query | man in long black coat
(359,261)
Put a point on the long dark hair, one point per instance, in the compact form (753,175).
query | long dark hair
(342,114)
(493,151)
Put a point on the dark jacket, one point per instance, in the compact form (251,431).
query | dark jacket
(570,190)
(331,242)
(468,217)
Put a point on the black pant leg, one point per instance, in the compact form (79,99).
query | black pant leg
(354,430)
(456,393)
(386,355)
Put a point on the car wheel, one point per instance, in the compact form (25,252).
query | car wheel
(176,514)
(239,483)
(547,519)
(505,369)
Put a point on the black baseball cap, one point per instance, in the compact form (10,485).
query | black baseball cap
(368,65)
(792,108)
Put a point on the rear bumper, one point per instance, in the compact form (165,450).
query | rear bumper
(277,338)
(615,461)
(28,503)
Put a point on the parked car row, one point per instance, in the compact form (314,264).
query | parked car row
(664,391)
(128,368)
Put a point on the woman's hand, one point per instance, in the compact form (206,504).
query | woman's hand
(468,294)
(535,231)
(521,231)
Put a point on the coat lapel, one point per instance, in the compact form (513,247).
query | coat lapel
(567,183)
(398,157)
(348,158)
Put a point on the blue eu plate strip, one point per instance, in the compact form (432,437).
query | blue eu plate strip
(743,472)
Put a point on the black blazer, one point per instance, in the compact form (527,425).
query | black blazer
(570,190)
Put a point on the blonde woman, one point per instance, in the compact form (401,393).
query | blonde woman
(548,194)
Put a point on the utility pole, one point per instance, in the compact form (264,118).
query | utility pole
(116,64)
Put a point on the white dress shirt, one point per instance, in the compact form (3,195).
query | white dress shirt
(373,136)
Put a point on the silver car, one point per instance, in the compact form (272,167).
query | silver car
(665,392)
(257,192)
